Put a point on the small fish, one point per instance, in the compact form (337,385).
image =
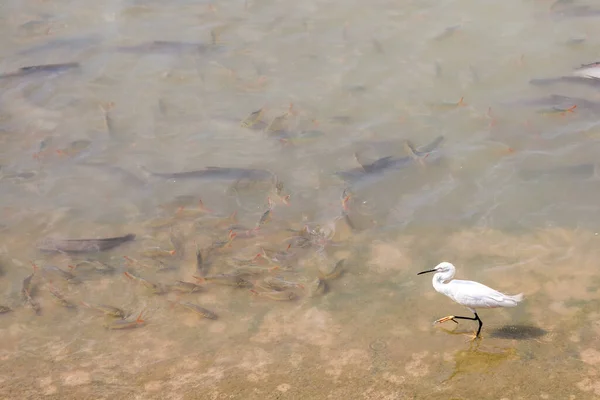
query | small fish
(276,257)
(185,287)
(253,120)
(98,266)
(66,275)
(60,299)
(125,324)
(157,252)
(581,171)
(446,105)
(178,241)
(107,310)
(153,287)
(280,123)
(219,244)
(108,121)
(333,273)
(26,287)
(414,153)
(5,309)
(266,215)
(226,280)
(451,30)
(317,288)
(253,270)
(280,284)
(558,110)
(198,310)
(277,295)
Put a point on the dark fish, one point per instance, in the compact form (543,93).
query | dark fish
(387,163)
(165,46)
(582,171)
(447,32)
(218,173)
(41,69)
(559,102)
(116,172)
(591,70)
(201,266)
(577,11)
(594,82)
(70,44)
(82,245)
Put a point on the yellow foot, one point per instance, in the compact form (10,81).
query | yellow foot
(448,318)
(472,337)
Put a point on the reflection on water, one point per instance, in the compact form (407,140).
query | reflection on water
(280,171)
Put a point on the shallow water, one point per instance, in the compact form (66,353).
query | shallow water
(510,197)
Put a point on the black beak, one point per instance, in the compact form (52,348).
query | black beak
(425,272)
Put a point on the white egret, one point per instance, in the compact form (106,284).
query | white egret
(470,294)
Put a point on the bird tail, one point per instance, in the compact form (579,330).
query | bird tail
(517,297)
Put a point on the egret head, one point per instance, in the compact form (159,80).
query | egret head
(443,267)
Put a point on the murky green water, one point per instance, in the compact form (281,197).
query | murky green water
(510,197)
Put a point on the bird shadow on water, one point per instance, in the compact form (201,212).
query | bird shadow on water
(476,360)
(518,332)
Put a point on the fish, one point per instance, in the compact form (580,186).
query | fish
(582,171)
(577,11)
(178,241)
(558,102)
(591,70)
(98,266)
(41,70)
(317,288)
(26,291)
(449,31)
(60,299)
(185,287)
(66,275)
(218,173)
(332,273)
(253,120)
(266,216)
(286,295)
(153,287)
(201,266)
(110,311)
(26,287)
(125,324)
(69,44)
(167,46)
(586,74)
(226,280)
(587,81)
(276,283)
(198,310)
(82,245)
(157,252)
(387,163)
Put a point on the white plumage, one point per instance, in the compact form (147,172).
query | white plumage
(472,295)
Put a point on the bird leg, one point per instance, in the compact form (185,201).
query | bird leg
(455,317)
(448,318)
